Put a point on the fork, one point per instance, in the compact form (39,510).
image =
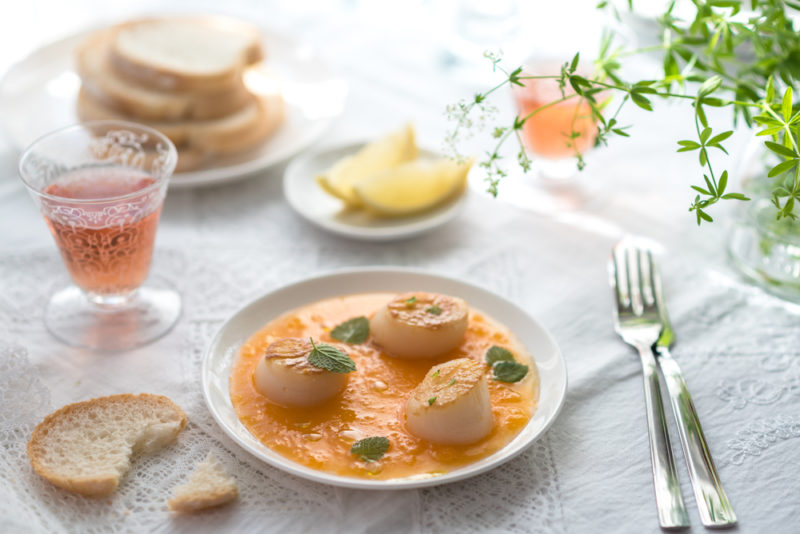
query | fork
(638,322)
(712,502)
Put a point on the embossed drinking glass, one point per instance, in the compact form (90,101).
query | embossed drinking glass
(100,186)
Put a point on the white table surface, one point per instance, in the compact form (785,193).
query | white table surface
(738,347)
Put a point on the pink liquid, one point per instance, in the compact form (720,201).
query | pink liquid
(107,246)
(547,133)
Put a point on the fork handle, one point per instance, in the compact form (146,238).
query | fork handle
(715,509)
(669,499)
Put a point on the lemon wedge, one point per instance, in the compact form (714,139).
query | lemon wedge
(376,157)
(412,187)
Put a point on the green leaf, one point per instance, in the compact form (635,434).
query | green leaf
(434,310)
(370,449)
(709,86)
(780,149)
(705,134)
(689,145)
(710,185)
(700,190)
(722,182)
(703,157)
(782,167)
(705,216)
(770,131)
(574,64)
(509,371)
(620,131)
(641,101)
(498,354)
(720,137)
(770,89)
(735,196)
(786,105)
(353,331)
(328,357)
(431,401)
(411,301)
(701,114)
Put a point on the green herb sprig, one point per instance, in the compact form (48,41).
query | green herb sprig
(745,63)
(370,449)
(353,331)
(328,357)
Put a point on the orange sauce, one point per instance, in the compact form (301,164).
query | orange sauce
(373,402)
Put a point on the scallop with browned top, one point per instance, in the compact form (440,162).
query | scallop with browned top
(451,405)
(284,375)
(420,325)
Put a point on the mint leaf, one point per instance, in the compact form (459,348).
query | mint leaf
(505,371)
(370,449)
(353,331)
(329,357)
(498,354)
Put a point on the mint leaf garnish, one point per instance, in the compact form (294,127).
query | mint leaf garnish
(370,449)
(498,354)
(329,357)
(506,371)
(353,331)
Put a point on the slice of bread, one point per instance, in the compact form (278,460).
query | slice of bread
(145,103)
(237,132)
(86,447)
(208,485)
(205,53)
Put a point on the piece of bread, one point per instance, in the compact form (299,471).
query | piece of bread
(208,485)
(86,447)
(234,133)
(199,53)
(136,101)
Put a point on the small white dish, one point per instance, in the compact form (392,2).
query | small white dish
(223,352)
(38,95)
(316,206)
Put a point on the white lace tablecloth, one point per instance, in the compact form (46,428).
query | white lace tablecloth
(222,246)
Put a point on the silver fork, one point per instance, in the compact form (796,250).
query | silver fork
(712,502)
(637,321)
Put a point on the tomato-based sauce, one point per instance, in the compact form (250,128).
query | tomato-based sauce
(373,402)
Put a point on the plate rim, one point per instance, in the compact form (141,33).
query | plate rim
(295,469)
(437,217)
(202,177)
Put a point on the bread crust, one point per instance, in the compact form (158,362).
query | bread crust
(169,79)
(210,499)
(101,80)
(200,140)
(101,484)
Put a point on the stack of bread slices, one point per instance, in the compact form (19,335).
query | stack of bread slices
(188,77)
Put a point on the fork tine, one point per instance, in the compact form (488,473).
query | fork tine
(646,277)
(634,279)
(618,279)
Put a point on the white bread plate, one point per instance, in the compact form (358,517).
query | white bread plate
(223,352)
(38,94)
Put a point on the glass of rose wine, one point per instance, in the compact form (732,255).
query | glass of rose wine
(100,186)
(553,135)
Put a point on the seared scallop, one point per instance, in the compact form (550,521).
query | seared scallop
(451,405)
(420,325)
(284,375)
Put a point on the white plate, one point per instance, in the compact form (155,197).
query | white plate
(38,94)
(223,351)
(308,199)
